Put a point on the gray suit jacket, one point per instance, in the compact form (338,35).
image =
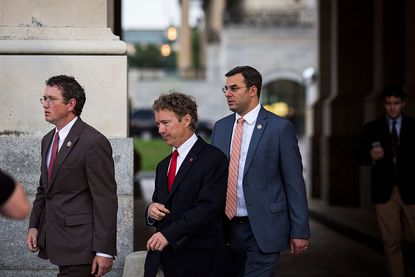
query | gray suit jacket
(273,181)
(76,212)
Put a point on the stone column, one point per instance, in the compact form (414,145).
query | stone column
(324,69)
(185,41)
(348,80)
(213,27)
(410,57)
(39,39)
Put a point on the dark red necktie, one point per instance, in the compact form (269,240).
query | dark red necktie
(394,138)
(54,152)
(172,170)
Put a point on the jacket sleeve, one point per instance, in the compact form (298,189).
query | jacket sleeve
(101,180)
(292,171)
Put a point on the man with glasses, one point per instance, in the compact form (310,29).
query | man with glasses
(266,203)
(73,220)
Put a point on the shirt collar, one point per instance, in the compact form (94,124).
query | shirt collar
(398,120)
(186,146)
(63,133)
(250,117)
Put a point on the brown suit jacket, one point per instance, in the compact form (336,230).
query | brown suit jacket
(76,212)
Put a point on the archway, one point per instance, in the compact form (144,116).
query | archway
(286,98)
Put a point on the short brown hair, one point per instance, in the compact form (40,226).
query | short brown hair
(178,103)
(251,75)
(69,88)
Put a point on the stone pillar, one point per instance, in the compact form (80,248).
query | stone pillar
(185,41)
(324,69)
(213,27)
(214,19)
(410,57)
(39,39)
(348,80)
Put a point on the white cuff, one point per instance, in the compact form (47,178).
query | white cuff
(104,255)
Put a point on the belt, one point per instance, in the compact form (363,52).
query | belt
(240,219)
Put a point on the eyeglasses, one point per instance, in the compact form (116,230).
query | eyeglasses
(233,89)
(49,100)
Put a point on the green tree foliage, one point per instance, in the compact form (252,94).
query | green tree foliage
(149,56)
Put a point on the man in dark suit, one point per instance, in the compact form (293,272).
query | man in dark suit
(266,199)
(388,145)
(188,199)
(73,220)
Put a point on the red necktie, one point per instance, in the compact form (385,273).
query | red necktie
(231,193)
(54,152)
(172,170)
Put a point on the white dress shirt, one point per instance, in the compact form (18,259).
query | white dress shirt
(398,124)
(247,131)
(183,150)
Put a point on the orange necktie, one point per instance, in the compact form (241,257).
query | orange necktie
(231,202)
(55,148)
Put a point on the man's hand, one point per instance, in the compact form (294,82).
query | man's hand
(31,240)
(157,242)
(101,266)
(377,153)
(298,246)
(157,211)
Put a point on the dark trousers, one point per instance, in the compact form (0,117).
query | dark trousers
(247,258)
(75,271)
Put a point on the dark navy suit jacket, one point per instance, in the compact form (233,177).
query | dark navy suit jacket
(273,181)
(194,226)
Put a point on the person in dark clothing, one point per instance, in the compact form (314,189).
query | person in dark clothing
(13,201)
(388,146)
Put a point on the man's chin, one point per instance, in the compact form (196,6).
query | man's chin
(232,108)
(167,141)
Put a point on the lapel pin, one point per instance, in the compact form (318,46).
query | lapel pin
(69,144)
(191,159)
(259,126)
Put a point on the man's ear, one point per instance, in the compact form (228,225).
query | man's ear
(187,119)
(72,104)
(253,91)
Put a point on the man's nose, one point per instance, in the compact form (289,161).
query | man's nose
(161,129)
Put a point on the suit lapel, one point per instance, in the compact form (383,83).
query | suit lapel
(259,128)
(162,181)
(230,121)
(189,160)
(67,146)
(45,147)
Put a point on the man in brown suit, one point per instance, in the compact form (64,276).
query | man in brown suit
(73,220)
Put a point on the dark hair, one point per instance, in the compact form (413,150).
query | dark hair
(70,88)
(178,103)
(251,75)
(393,90)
